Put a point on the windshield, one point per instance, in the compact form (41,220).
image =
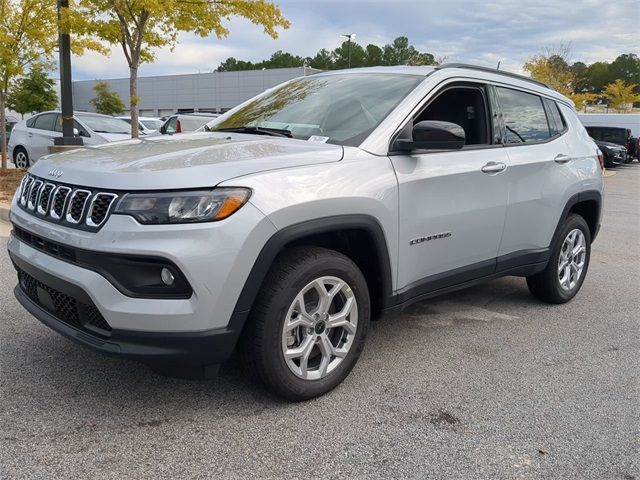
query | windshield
(105,124)
(342,109)
(152,124)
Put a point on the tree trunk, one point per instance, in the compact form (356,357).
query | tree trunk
(133,99)
(3,131)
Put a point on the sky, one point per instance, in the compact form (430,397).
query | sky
(478,32)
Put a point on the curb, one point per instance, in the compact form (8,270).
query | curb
(4,212)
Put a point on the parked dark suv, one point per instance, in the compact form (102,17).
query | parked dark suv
(618,135)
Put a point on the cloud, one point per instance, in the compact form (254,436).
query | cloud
(508,31)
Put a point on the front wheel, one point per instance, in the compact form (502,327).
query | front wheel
(561,280)
(309,323)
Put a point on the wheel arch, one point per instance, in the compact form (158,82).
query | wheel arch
(341,233)
(588,205)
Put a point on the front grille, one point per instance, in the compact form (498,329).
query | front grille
(45,198)
(64,307)
(59,201)
(74,207)
(99,208)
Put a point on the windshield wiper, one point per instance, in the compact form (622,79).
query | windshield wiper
(274,132)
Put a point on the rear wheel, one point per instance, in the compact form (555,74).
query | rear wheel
(21,158)
(567,268)
(309,323)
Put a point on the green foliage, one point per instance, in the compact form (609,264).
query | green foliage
(399,52)
(106,101)
(139,27)
(28,32)
(621,95)
(33,93)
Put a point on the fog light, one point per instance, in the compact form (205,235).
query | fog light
(167,277)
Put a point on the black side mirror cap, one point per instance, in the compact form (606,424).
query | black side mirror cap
(433,135)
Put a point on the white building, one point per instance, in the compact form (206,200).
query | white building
(205,92)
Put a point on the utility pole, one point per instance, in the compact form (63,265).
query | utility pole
(349,36)
(66,96)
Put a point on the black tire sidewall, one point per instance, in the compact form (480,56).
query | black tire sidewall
(277,372)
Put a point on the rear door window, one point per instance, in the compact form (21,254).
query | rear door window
(46,121)
(524,116)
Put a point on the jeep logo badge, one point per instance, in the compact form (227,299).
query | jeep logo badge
(55,173)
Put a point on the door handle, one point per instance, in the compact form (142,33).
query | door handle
(494,167)
(30,135)
(562,158)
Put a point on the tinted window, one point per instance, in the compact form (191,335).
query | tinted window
(524,116)
(31,122)
(613,135)
(46,121)
(556,121)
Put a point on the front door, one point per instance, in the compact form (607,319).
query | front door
(452,203)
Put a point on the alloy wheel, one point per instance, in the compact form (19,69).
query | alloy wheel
(319,328)
(572,259)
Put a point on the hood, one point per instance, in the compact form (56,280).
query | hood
(612,146)
(194,160)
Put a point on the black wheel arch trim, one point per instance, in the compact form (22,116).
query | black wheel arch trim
(587,195)
(299,231)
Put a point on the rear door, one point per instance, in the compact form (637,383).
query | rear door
(535,140)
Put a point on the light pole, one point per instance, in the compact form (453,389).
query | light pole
(66,100)
(349,36)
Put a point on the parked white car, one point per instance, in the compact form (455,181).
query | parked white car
(31,139)
(146,125)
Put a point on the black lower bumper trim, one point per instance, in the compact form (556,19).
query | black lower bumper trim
(192,354)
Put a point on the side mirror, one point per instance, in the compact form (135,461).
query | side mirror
(433,135)
(76,132)
(163,130)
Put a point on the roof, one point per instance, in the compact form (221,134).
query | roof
(421,70)
(483,73)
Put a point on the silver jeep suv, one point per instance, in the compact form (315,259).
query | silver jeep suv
(293,220)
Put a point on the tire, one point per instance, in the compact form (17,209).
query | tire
(21,158)
(283,301)
(553,285)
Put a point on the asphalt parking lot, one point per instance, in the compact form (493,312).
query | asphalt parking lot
(483,383)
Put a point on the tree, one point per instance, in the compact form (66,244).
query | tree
(322,61)
(552,67)
(621,95)
(582,99)
(373,55)
(27,35)
(341,56)
(33,93)
(106,101)
(626,67)
(140,26)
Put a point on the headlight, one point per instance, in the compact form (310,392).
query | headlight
(183,207)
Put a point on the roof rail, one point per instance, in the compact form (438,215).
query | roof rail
(493,70)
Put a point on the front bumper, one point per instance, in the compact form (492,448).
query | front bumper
(193,354)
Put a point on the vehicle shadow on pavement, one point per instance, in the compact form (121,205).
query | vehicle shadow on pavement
(69,378)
